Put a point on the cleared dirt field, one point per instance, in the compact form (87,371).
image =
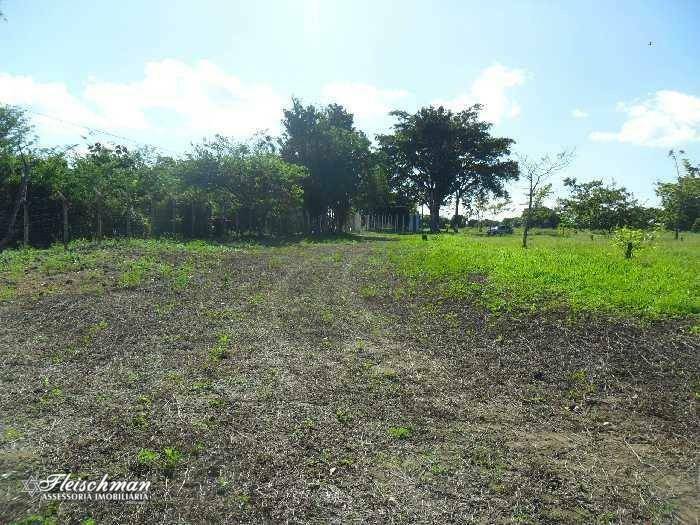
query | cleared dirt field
(307,383)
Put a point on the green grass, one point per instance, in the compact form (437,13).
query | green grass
(581,272)
(573,270)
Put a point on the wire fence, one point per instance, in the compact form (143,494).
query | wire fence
(44,219)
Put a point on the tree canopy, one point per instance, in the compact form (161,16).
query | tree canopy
(336,155)
(435,153)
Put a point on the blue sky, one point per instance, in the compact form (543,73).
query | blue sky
(551,74)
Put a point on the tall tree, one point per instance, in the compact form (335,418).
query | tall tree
(436,153)
(537,174)
(595,205)
(16,137)
(325,141)
(680,200)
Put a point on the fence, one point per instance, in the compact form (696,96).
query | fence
(395,223)
(44,218)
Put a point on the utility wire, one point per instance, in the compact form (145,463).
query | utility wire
(98,130)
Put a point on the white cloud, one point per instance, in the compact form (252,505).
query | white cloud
(364,100)
(491,89)
(50,97)
(579,113)
(665,119)
(205,97)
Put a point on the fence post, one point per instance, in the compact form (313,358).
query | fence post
(128,221)
(173,218)
(26,218)
(64,209)
(99,215)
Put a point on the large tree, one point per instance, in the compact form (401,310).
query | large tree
(436,153)
(680,200)
(16,138)
(595,205)
(324,140)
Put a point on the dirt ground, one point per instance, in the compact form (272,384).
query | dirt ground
(308,384)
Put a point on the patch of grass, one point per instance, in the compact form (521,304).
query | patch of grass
(221,349)
(327,316)
(166,461)
(369,292)
(400,432)
(571,270)
(36,519)
(343,415)
(53,395)
(11,434)
(581,386)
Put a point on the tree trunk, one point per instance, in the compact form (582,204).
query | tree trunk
(152,226)
(526,219)
(456,219)
(434,217)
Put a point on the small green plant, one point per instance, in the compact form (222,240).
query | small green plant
(148,458)
(53,394)
(221,349)
(171,458)
(629,240)
(327,316)
(400,432)
(166,461)
(242,499)
(343,415)
(11,434)
(369,292)
(581,386)
(181,277)
(223,485)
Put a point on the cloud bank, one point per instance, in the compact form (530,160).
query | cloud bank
(190,100)
(665,119)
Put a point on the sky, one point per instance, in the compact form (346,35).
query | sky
(550,75)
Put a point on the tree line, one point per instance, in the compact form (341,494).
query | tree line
(308,180)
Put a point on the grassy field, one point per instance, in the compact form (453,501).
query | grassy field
(580,271)
(377,378)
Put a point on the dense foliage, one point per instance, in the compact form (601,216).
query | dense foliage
(436,153)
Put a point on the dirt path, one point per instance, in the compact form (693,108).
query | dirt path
(306,384)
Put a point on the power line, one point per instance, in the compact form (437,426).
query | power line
(98,130)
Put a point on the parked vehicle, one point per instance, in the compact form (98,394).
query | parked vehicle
(501,229)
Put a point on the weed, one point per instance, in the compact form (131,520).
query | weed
(400,432)
(369,292)
(166,461)
(327,316)
(580,385)
(343,415)
(221,349)
(11,434)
